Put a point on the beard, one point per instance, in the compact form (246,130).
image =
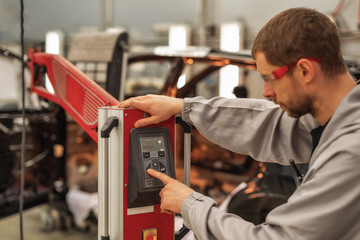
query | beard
(297,106)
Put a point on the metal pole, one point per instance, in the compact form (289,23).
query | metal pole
(104,204)
(187,149)
(103,169)
(187,158)
(202,22)
(107,14)
(123,74)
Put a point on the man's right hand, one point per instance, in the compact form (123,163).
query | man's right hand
(173,194)
(160,108)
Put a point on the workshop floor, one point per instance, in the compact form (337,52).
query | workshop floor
(9,228)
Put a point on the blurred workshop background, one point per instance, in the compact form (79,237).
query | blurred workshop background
(130,48)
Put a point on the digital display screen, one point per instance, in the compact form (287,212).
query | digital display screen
(152,144)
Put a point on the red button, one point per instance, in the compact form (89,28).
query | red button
(150,236)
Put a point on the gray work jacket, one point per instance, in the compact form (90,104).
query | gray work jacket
(326,206)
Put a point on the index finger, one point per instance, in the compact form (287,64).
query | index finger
(161,176)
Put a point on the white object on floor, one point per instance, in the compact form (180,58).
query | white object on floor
(81,204)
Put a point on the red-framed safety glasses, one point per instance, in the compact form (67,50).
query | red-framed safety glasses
(280,72)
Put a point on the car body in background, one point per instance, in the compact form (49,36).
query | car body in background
(45,141)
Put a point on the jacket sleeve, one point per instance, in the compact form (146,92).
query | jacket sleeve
(254,127)
(201,215)
(324,206)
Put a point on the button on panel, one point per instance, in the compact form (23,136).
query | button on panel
(155,164)
(162,168)
(148,182)
(161,153)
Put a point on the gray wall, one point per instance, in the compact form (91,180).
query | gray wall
(44,15)
(138,16)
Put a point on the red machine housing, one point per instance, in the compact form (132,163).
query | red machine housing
(73,90)
(135,224)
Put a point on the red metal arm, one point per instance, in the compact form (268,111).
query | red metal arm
(73,90)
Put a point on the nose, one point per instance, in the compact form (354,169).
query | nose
(268,92)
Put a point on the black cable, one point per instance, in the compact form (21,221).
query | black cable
(297,171)
(23,132)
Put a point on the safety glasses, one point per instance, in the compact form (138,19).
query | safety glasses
(280,72)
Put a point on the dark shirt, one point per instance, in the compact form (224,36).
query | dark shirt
(316,135)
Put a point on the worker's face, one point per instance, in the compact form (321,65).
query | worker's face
(286,91)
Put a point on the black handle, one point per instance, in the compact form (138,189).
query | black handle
(185,125)
(181,233)
(110,123)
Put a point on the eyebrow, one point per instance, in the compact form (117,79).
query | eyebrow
(265,75)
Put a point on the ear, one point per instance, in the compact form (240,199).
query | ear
(307,69)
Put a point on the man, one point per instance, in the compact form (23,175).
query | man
(315,119)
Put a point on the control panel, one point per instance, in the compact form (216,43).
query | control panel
(149,148)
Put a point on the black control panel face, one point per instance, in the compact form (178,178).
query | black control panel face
(154,156)
(149,148)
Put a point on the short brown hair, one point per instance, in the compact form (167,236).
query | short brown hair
(301,32)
